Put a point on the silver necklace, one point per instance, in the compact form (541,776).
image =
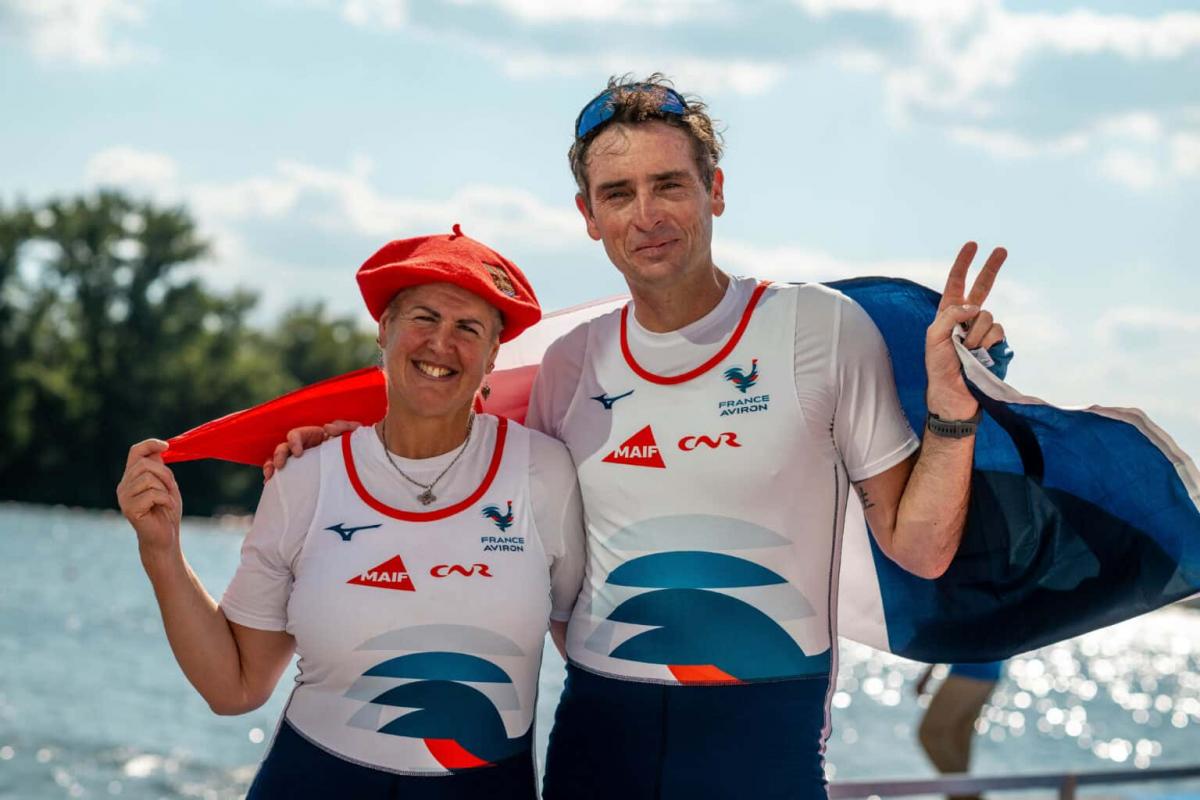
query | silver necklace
(426,497)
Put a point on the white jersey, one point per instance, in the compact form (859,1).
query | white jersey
(420,632)
(714,464)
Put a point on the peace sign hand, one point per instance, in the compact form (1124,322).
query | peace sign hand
(947,395)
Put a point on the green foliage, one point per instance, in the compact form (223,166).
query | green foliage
(107,337)
(312,347)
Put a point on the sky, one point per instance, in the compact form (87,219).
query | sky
(863,137)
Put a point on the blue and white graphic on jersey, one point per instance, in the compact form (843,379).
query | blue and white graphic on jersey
(420,634)
(713,502)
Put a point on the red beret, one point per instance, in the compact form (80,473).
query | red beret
(451,258)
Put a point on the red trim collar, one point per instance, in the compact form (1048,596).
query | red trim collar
(427,516)
(718,357)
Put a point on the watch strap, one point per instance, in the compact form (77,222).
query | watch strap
(952,428)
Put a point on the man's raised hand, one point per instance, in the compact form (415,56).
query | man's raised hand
(947,395)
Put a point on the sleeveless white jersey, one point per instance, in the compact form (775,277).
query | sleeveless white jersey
(713,503)
(420,634)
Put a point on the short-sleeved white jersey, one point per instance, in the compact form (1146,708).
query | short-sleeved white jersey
(714,463)
(419,629)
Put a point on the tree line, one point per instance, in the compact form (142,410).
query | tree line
(108,336)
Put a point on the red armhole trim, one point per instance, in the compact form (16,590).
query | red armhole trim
(669,380)
(427,516)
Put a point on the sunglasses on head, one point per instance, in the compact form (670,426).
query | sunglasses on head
(601,109)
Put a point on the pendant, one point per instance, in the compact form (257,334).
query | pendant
(426,497)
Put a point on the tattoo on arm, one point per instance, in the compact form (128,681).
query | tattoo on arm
(862,495)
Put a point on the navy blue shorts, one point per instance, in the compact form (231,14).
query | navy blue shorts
(296,769)
(646,741)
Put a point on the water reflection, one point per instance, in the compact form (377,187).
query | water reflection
(1125,695)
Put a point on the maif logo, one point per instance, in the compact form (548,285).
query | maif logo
(639,450)
(391,574)
(728,438)
(741,379)
(446,570)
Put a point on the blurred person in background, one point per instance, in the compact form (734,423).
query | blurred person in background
(947,729)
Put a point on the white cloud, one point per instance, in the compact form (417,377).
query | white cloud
(1133,322)
(395,13)
(86,32)
(796,263)
(1185,153)
(1136,125)
(137,169)
(743,76)
(1130,168)
(268,197)
(1137,149)
(1009,144)
(391,14)
(349,201)
(703,72)
(929,12)
(961,56)
(654,12)
(854,58)
(1142,357)
(1015,303)
(342,201)
(970,53)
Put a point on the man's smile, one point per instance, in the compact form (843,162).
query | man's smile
(655,248)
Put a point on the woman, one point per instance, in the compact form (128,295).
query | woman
(411,564)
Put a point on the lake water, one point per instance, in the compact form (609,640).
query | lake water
(92,703)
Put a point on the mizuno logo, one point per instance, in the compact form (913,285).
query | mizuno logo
(743,380)
(391,574)
(689,443)
(344,532)
(445,570)
(607,401)
(639,450)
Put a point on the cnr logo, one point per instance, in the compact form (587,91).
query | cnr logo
(688,443)
(445,570)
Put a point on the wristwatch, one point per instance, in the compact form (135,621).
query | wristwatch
(952,428)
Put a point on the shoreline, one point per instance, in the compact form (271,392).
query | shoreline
(239,524)
(224,523)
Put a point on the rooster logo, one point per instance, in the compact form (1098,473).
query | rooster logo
(503,521)
(740,379)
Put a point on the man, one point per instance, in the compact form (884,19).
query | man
(703,642)
(716,430)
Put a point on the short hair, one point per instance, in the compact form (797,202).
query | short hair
(639,101)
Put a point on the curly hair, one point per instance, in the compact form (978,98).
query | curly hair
(638,101)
